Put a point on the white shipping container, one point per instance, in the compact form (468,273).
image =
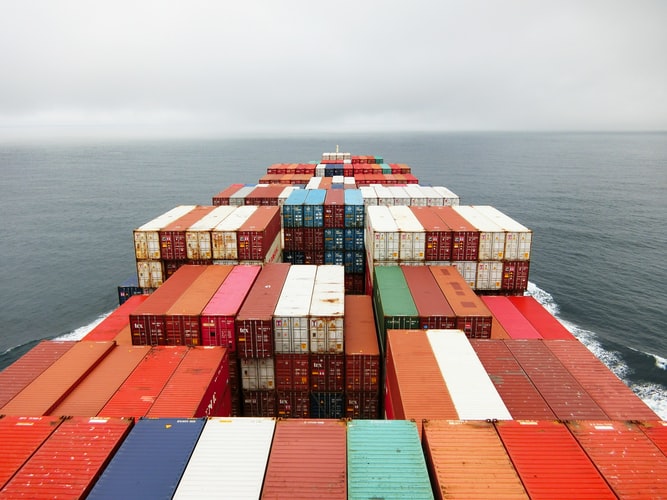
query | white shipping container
(449,198)
(417,196)
(472,391)
(327,309)
(467,269)
(313,183)
(518,238)
(489,275)
(412,235)
(491,235)
(381,237)
(384,195)
(433,198)
(147,238)
(230,457)
(369,195)
(198,235)
(320,170)
(257,374)
(224,237)
(400,195)
(337,179)
(238,198)
(150,273)
(349,182)
(290,317)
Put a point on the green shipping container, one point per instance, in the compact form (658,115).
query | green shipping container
(385,460)
(393,302)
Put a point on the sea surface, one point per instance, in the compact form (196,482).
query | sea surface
(597,203)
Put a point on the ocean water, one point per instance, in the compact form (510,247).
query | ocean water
(597,203)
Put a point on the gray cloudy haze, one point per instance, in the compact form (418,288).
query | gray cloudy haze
(197,67)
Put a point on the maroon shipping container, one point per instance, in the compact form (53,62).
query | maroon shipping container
(564,395)
(362,404)
(549,461)
(113,324)
(293,404)
(334,208)
(515,324)
(313,240)
(147,321)
(172,237)
(465,236)
(259,404)
(292,372)
(520,396)
(610,393)
(254,322)
(258,233)
(58,380)
(264,195)
(182,319)
(70,460)
(308,459)
(543,321)
(438,235)
(294,238)
(222,198)
(20,438)
(432,306)
(217,318)
(327,372)
(197,386)
(362,353)
(515,275)
(631,463)
(28,367)
(235,385)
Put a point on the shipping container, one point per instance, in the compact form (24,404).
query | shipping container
(385,460)
(229,459)
(259,403)
(55,383)
(515,275)
(292,372)
(449,197)
(292,210)
(465,236)
(258,233)
(151,460)
(137,394)
(334,208)
(110,327)
(70,460)
(20,438)
(469,386)
(224,236)
(327,404)
(264,195)
(518,238)
(437,235)
(362,404)
(94,391)
(520,396)
(549,461)
(238,198)
(491,235)
(258,374)
(433,198)
(291,314)
(254,322)
(515,324)
(147,237)
(217,317)
(28,367)
(394,307)
(313,208)
(629,461)
(129,288)
(489,275)
(362,353)
(151,273)
(222,198)
(382,236)
(173,244)
(354,209)
(468,460)
(541,319)
(327,372)
(292,404)
(198,235)
(656,430)
(433,309)
(417,197)
(327,308)
(308,460)
(197,388)
(411,233)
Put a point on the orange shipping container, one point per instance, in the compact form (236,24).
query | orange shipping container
(112,325)
(362,353)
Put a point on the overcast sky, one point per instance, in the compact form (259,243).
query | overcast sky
(220,67)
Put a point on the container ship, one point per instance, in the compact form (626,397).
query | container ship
(337,330)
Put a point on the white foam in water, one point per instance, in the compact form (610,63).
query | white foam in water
(82,331)
(654,395)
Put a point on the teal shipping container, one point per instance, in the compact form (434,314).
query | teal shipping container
(394,306)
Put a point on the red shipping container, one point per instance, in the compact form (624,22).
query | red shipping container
(327,372)
(58,380)
(217,318)
(308,459)
(564,395)
(20,438)
(313,240)
(520,396)
(334,208)
(259,404)
(362,404)
(112,325)
(222,198)
(465,236)
(172,237)
(197,386)
(515,275)
(514,323)
(432,306)
(292,372)
(137,394)
(656,430)
(235,386)
(362,353)
(254,322)
(258,233)
(294,238)
(182,319)
(543,321)
(438,235)
(610,393)
(147,321)
(264,195)
(28,367)
(549,461)
(70,460)
(631,463)
(293,404)
(90,396)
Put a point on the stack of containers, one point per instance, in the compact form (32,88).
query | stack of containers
(292,213)
(259,237)
(382,240)
(353,242)
(411,248)
(198,235)
(224,236)
(465,243)
(313,226)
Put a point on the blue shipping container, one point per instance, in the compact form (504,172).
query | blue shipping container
(293,208)
(326,405)
(334,238)
(354,208)
(313,208)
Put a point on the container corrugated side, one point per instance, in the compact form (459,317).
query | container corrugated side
(491,234)
(151,460)
(258,233)
(119,318)
(198,236)
(20,438)
(550,462)
(362,352)
(308,460)
(450,198)
(147,237)
(412,236)
(382,236)
(433,198)
(543,321)
(514,323)
(327,309)
(291,314)
(70,460)
(468,460)
(224,237)
(518,240)
(94,391)
(385,460)
(469,386)
(656,430)
(417,197)
(394,307)
(229,459)
(28,367)
(58,380)
(432,306)
(400,196)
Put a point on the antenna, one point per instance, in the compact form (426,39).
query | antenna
(336,148)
